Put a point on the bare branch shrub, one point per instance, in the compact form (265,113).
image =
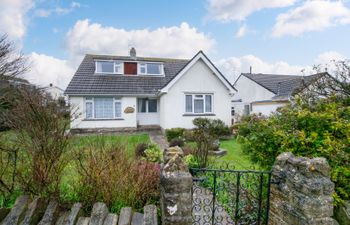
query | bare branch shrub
(40,132)
(107,174)
(11,64)
(324,85)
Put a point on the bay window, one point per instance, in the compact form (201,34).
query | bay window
(103,108)
(198,103)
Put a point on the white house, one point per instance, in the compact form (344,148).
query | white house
(54,91)
(264,93)
(130,91)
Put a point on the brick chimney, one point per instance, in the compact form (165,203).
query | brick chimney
(133,52)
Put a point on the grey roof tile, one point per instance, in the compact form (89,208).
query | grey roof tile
(282,86)
(86,82)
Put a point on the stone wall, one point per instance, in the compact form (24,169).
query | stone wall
(43,212)
(301,191)
(176,189)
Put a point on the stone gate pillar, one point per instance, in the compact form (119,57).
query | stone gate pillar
(175,188)
(301,191)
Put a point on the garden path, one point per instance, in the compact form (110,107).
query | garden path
(158,138)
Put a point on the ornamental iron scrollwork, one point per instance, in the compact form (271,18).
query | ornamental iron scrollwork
(223,196)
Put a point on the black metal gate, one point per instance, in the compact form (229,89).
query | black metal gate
(225,196)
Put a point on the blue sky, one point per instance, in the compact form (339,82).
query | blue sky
(283,36)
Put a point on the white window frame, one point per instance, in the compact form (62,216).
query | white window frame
(147,100)
(117,64)
(204,103)
(144,64)
(92,100)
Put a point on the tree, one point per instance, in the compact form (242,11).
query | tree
(12,65)
(327,84)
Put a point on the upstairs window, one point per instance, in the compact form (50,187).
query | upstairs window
(199,103)
(111,67)
(150,68)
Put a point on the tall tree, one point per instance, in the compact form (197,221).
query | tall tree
(336,82)
(12,64)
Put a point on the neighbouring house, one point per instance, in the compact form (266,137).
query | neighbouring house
(54,91)
(131,91)
(57,94)
(264,93)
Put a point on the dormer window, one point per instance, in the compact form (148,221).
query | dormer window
(150,68)
(111,67)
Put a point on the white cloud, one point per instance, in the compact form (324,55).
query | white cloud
(232,67)
(314,15)
(47,69)
(57,10)
(327,57)
(229,10)
(83,38)
(13,17)
(242,31)
(175,41)
(325,61)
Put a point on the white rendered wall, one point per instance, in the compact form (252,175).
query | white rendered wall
(198,79)
(266,109)
(78,106)
(249,91)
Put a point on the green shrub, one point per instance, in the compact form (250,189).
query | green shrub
(191,161)
(317,130)
(177,142)
(140,150)
(188,135)
(153,154)
(174,133)
(219,128)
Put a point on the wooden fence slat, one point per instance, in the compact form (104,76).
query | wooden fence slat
(150,215)
(18,211)
(35,211)
(73,214)
(111,219)
(98,214)
(125,216)
(137,219)
(51,214)
(83,221)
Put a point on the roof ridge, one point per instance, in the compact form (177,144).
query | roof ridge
(138,57)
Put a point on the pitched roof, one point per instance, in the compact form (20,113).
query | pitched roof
(282,86)
(210,64)
(86,82)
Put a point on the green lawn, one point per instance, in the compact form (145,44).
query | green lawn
(70,174)
(128,140)
(235,156)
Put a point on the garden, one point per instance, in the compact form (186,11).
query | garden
(40,158)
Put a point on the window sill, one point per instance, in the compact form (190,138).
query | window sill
(102,119)
(147,112)
(199,114)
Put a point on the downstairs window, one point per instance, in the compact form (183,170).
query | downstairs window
(103,108)
(198,103)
